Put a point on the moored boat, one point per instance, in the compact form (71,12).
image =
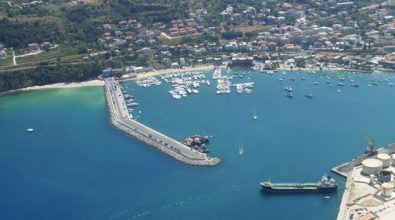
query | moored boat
(325,185)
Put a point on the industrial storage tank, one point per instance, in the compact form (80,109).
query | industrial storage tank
(386,159)
(371,166)
(388,189)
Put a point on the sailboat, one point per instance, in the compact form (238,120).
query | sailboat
(255,117)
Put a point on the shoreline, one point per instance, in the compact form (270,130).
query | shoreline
(169,71)
(154,73)
(88,83)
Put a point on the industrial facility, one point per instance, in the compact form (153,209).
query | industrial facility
(369,192)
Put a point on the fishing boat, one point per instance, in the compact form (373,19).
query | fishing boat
(30,130)
(325,185)
(308,95)
(288,89)
(289,95)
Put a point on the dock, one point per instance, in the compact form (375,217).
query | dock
(362,197)
(346,168)
(122,119)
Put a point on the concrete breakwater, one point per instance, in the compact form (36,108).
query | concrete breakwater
(121,119)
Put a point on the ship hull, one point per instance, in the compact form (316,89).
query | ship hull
(298,190)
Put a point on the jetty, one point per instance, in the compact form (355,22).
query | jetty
(123,120)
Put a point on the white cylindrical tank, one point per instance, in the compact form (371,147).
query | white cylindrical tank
(371,166)
(386,159)
(388,189)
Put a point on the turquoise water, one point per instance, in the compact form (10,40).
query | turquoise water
(76,166)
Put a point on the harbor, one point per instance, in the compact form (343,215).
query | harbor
(120,177)
(122,119)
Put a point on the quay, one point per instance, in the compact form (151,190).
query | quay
(367,196)
(346,168)
(121,119)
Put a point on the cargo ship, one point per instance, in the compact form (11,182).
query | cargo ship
(325,185)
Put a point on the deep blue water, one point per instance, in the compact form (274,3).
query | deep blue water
(76,166)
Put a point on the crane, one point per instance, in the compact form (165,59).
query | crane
(372,145)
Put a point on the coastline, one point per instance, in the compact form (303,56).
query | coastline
(154,73)
(170,71)
(88,83)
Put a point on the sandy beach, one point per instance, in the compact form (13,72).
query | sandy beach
(169,71)
(95,82)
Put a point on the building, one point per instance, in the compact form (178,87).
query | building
(2,53)
(242,61)
(33,47)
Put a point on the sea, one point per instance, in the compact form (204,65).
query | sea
(75,165)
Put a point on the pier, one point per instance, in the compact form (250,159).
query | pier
(122,119)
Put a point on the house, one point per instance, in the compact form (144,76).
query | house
(46,45)
(33,47)
(2,53)
(107,27)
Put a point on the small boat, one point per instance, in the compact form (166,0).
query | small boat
(391,84)
(340,84)
(289,95)
(288,89)
(255,117)
(30,130)
(338,91)
(327,197)
(133,104)
(280,79)
(308,95)
(241,150)
(315,83)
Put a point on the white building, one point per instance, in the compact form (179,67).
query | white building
(2,53)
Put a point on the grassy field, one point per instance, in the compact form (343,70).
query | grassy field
(6,61)
(61,54)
